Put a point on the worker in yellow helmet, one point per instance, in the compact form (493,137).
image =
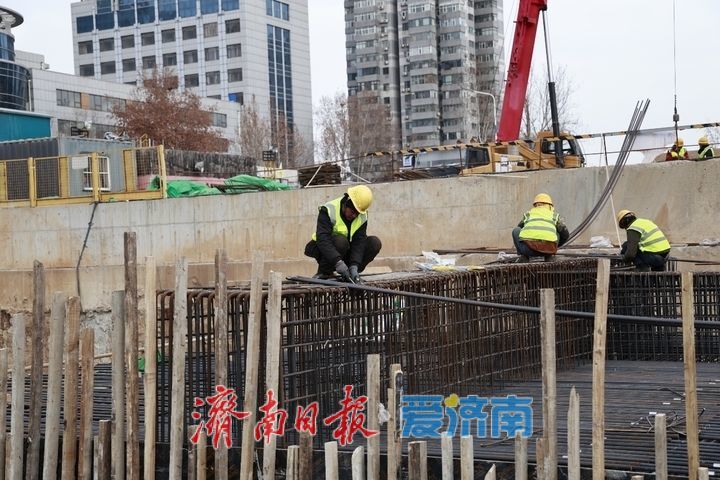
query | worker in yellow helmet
(705,151)
(646,245)
(677,151)
(540,231)
(340,242)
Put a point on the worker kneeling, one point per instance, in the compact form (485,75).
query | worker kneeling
(540,231)
(340,243)
(646,245)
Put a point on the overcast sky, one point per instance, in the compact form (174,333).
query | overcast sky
(615,52)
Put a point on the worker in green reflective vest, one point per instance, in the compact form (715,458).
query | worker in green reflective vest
(646,245)
(705,151)
(540,231)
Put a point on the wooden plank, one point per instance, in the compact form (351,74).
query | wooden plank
(636,477)
(549,381)
(331,461)
(202,456)
(131,357)
(32,470)
(467,458)
(17,402)
(540,458)
(305,457)
(598,391)
(272,360)
(703,473)
(692,430)
(252,355)
(103,452)
(394,448)
(3,408)
(87,370)
(661,471)
(446,447)
(150,378)
(177,408)
(118,383)
(373,393)
(221,349)
(55,378)
(292,467)
(417,461)
(573,435)
(491,475)
(358,464)
(72,367)
(521,458)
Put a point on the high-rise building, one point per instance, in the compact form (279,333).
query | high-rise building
(14,78)
(437,65)
(233,50)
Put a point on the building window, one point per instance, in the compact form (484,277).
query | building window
(236,97)
(219,119)
(234,50)
(277,9)
(66,98)
(212,78)
(147,38)
(168,35)
(210,30)
(208,6)
(190,56)
(214,97)
(85,47)
(169,59)
(105,21)
(148,62)
(235,75)
(232,26)
(188,33)
(128,41)
(280,78)
(228,5)
(87,70)
(104,166)
(166,9)
(212,53)
(192,80)
(107,44)
(126,13)
(84,24)
(128,64)
(145,11)
(107,67)
(187,8)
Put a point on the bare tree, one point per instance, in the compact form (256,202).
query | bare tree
(369,124)
(331,118)
(293,151)
(255,134)
(167,116)
(536,113)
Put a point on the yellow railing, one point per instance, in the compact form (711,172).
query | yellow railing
(83,178)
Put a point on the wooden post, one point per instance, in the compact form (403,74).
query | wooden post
(102,451)
(150,378)
(202,456)
(118,384)
(252,355)
(192,462)
(3,408)
(177,409)
(373,393)
(703,473)
(72,366)
(131,352)
(87,370)
(490,475)
(636,477)
(358,463)
(691,418)
(36,375)
(417,461)
(292,469)
(221,349)
(573,436)
(598,391)
(394,452)
(467,458)
(331,461)
(521,458)
(549,385)
(446,447)
(661,472)
(305,461)
(272,360)
(17,429)
(55,375)
(540,458)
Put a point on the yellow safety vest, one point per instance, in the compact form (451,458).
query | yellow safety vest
(339,226)
(652,239)
(540,223)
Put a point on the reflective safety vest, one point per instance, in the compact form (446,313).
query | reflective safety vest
(679,155)
(339,227)
(540,223)
(704,152)
(652,239)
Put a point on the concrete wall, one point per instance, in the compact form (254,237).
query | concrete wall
(409,217)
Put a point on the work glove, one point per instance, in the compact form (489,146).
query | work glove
(354,274)
(342,269)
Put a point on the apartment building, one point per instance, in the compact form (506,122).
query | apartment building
(436,64)
(228,50)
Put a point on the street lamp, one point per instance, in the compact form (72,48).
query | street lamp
(494,108)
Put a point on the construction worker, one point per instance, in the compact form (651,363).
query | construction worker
(340,242)
(540,231)
(705,151)
(677,151)
(646,245)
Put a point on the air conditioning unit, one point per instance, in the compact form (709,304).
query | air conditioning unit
(404,45)
(403,15)
(387,62)
(407,117)
(382,6)
(386,49)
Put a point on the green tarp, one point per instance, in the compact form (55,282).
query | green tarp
(237,184)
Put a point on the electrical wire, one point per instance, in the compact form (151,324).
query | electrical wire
(676,117)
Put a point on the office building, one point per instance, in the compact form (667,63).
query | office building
(436,64)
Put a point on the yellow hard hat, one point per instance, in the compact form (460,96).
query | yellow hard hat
(623,213)
(679,142)
(361,197)
(543,198)
(703,140)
